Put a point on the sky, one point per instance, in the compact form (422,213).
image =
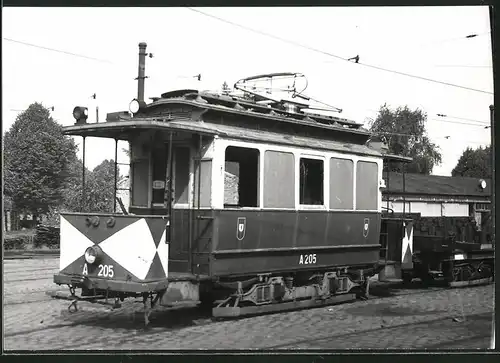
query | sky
(428,42)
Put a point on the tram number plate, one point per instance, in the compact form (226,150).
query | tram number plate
(104,271)
(307,259)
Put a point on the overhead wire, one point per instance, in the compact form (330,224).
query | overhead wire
(436,137)
(412,53)
(484,124)
(462,118)
(439,42)
(334,55)
(109,62)
(57,50)
(462,123)
(461,66)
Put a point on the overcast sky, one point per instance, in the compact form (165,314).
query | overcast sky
(428,42)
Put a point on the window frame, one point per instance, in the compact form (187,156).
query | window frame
(151,167)
(242,145)
(139,142)
(353,161)
(326,181)
(190,175)
(288,152)
(378,163)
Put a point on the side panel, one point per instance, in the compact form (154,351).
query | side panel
(263,241)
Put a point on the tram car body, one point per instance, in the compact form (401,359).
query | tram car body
(244,206)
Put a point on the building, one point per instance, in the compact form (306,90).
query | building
(437,196)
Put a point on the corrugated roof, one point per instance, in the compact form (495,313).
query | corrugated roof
(419,184)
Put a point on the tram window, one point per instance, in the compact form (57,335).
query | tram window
(139,169)
(311,181)
(159,159)
(181,175)
(279,180)
(366,185)
(140,182)
(203,184)
(341,183)
(241,178)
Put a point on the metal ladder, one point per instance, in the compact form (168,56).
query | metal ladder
(384,240)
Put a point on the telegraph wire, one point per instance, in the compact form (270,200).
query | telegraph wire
(58,50)
(336,56)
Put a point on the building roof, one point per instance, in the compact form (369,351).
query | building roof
(419,184)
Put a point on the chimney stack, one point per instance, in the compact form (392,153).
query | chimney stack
(142,69)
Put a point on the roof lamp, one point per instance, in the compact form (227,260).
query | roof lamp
(80,114)
(482,183)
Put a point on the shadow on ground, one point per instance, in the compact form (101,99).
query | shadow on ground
(131,317)
(388,289)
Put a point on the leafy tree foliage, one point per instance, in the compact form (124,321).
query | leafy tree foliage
(474,163)
(72,201)
(37,159)
(405,133)
(99,188)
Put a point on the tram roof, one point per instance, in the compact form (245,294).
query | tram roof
(124,130)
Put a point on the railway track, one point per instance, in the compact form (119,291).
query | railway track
(168,326)
(164,317)
(478,328)
(198,316)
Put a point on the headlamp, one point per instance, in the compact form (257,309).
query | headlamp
(134,106)
(92,254)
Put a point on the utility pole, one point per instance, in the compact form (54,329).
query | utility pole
(94,96)
(492,148)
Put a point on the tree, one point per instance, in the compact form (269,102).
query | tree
(99,188)
(37,159)
(405,132)
(72,201)
(474,163)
